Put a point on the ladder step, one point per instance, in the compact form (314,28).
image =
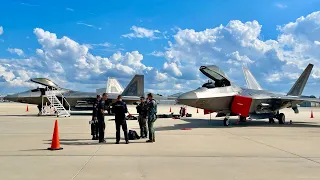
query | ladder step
(51,95)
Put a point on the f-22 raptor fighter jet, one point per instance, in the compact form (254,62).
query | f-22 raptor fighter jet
(227,99)
(76,100)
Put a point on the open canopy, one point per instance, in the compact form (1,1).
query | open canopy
(215,73)
(44,82)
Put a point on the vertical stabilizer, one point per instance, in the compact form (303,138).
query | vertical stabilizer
(113,86)
(252,83)
(135,87)
(299,85)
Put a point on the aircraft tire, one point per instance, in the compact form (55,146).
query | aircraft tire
(282,118)
(271,120)
(243,119)
(226,122)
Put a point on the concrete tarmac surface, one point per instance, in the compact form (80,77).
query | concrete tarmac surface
(253,150)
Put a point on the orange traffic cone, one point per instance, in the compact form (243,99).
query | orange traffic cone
(55,144)
(27,109)
(197,110)
(311,115)
(170,109)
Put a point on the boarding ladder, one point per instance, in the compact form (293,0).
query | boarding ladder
(60,110)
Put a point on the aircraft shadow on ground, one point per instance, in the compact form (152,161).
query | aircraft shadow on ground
(216,123)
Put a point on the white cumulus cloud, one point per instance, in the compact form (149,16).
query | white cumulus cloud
(1,30)
(157,53)
(65,60)
(280,5)
(140,32)
(16,51)
(238,43)
(228,46)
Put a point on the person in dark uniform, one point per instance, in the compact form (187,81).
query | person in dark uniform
(101,123)
(119,108)
(94,122)
(142,119)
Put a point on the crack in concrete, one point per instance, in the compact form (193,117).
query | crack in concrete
(86,163)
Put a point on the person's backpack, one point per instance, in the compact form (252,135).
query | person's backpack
(133,135)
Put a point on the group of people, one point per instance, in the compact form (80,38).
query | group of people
(147,111)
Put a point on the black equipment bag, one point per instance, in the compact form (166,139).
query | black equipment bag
(133,135)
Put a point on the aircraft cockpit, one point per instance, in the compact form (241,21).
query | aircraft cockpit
(208,85)
(211,85)
(42,90)
(219,78)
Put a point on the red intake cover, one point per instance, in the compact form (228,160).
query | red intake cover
(241,105)
(205,111)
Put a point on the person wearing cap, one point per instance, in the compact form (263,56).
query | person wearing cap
(142,119)
(119,108)
(94,121)
(152,117)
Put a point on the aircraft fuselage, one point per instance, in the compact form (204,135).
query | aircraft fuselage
(219,99)
(77,100)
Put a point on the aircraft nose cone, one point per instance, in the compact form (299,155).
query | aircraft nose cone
(188,98)
(8,97)
(188,95)
(12,97)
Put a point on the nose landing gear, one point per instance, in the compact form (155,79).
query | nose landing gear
(226,121)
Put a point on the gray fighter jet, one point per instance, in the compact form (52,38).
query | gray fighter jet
(227,99)
(77,100)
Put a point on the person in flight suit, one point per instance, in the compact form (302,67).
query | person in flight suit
(142,119)
(94,122)
(101,123)
(119,108)
(152,117)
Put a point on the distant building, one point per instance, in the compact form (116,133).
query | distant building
(309,104)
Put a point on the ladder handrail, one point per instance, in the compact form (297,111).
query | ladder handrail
(51,95)
(56,90)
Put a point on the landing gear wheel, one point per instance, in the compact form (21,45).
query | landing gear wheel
(282,118)
(271,120)
(243,119)
(226,122)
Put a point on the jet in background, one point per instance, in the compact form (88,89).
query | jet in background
(228,99)
(113,86)
(162,99)
(77,100)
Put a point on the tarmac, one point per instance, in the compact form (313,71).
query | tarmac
(253,150)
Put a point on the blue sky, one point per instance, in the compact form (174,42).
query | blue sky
(165,40)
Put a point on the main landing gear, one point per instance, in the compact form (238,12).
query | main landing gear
(242,119)
(281,118)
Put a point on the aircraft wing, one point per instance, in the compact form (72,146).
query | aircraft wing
(266,104)
(297,99)
(131,98)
